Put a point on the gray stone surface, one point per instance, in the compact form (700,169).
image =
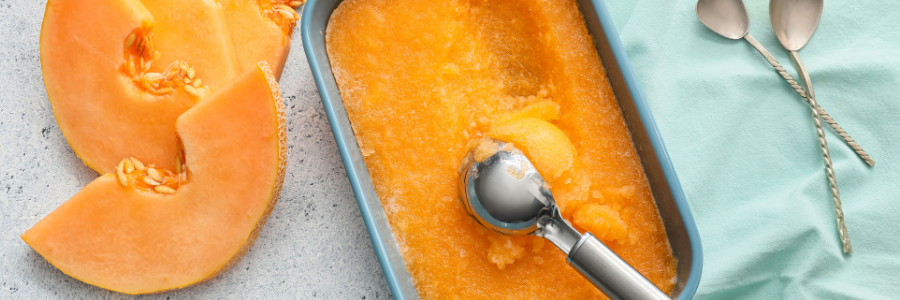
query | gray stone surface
(314,246)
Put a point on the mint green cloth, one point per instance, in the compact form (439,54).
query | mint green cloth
(745,149)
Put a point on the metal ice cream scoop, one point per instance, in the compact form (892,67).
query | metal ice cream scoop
(506,193)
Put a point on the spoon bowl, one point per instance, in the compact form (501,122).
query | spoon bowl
(505,193)
(726,17)
(795,21)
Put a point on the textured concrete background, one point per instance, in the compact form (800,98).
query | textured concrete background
(314,245)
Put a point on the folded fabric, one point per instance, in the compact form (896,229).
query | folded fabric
(745,148)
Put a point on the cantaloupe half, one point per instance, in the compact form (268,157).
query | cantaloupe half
(117,76)
(140,238)
(261,30)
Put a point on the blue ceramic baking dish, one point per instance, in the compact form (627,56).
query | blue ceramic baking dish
(667,192)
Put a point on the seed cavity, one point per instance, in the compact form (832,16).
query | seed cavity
(162,189)
(283,13)
(139,56)
(159,180)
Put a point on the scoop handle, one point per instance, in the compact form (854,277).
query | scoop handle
(609,272)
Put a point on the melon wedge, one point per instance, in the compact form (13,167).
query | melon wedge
(261,30)
(140,238)
(117,85)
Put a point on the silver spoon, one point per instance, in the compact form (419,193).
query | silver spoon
(505,193)
(729,19)
(794,22)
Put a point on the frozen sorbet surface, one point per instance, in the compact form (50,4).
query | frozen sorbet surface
(426,81)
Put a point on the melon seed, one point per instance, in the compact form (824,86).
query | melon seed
(170,73)
(130,40)
(129,63)
(147,51)
(150,44)
(139,48)
(150,181)
(286,14)
(154,174)
(162,91)
(138,165)
(204,92)
(153,77)
(121,177)
(283,7)
(193,92)
(129,166)
(164,189)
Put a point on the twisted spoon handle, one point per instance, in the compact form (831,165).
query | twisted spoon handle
(829,170)
(790,80)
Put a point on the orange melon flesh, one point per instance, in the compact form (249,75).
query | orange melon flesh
(133,240)
(195,31)
(103,111)
(259,32)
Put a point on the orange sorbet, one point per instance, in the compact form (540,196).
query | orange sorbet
(424,82)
